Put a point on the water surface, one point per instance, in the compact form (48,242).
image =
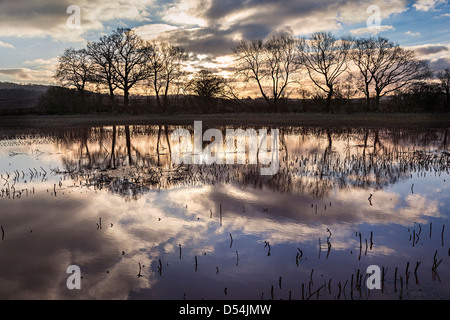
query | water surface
(109,200)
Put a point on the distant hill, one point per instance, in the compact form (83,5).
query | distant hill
(19,98)
(27,87)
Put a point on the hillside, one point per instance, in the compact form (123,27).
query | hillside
(19,98)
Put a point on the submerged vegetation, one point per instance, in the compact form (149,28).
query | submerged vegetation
(142,227)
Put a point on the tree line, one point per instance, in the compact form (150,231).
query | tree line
(321,67)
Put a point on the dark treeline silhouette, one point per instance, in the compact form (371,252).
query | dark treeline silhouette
(320,73)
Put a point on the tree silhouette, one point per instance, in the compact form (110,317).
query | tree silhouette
(165,66)
(103,53)
(396,69)
(208,85)
(130,60)
(444,78)
(325,59)
(74,69)
(270,64)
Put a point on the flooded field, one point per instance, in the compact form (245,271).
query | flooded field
(111,201)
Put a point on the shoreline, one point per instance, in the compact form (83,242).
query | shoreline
(365,120)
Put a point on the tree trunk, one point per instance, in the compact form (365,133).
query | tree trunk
(275,105)
(365,143)
(166,101)
(113,151)
(111,100)
(125,100)
(367,97)
(444,143)
(328,101)
(83,101)
(155,86)
(377,101)
(447,93)
(376,142)
(168,143)
(128,141)
(158,101)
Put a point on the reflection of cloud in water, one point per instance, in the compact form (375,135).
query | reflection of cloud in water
(315,190)
(41,244)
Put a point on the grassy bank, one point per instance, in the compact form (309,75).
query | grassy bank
(368,120)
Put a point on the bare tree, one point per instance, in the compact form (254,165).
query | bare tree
(282,62)
(444,78)
(74,69)
(129,62)
(165,66)
(174,67)
(103,54)
(270,65)
(250,63)
(208,85)
(366,55)
(155,69)
(325,59)
(397,68)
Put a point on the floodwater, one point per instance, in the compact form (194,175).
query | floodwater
(110,200)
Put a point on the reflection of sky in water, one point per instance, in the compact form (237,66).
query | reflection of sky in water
(44,232)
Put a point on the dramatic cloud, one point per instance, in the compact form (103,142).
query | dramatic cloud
(214,26)
(202,27)
(50,17)
(299,17)
(207,23)
(437,55)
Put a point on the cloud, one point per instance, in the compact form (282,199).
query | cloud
(440,64)
(371,30)
(6,45)
(214,26)
(412,34)
(430,49)
(18,73)
(49,18)
(194,39)
(185,13)
(426,5)
(208,24)
(151,31)
(25,74)
(42,62)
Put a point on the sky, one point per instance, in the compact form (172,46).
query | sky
(33,34)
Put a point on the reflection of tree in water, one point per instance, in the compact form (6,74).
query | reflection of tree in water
(133,160)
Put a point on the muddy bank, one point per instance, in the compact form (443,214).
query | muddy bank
(411,120)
